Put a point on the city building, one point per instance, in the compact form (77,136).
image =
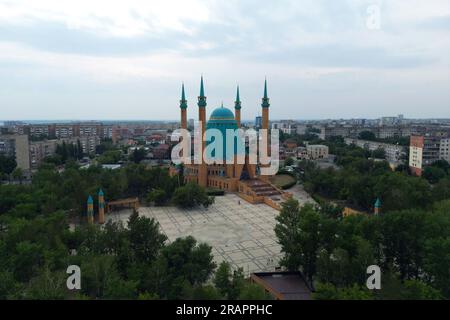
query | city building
(395,154)
(317,151)
(353,131)
(64,131)
(302,154)
(88,143)
(258,122)
(301,128)
(16,145)
(283,285)
(39,150)
(285,126)
(444,149)
(39,130)
(426,149)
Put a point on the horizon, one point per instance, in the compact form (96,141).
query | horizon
(48,121)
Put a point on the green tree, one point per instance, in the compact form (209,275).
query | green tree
(379,153)
(298,233)
(326,291)
(192,195)
(110,157)
(7,164)
(289,161)
(367,135)
(252,291)
(222,279)
(287,232)
(145,238)
(17,174)
(437,263)
(157,196)
(417,290)
(207,292)
(182,265)
(229,283)
(434,174)
(138,155)
(403,241)
(47,285)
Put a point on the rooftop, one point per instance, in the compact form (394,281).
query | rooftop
(284,285)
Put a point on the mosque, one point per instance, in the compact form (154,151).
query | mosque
(245,179)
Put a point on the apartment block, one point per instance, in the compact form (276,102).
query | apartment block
(444,150)
(394,153)
(285,126)
(88,143)
(16,146)
(426,149)
(39,150)
(64,131)
(353,131)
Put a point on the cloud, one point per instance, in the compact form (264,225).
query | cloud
(306,46)
(107,17)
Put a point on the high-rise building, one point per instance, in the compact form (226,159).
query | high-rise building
(426,149)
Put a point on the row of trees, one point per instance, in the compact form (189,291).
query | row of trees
(411,246)
(68,190)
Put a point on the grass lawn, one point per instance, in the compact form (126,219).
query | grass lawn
(282,180)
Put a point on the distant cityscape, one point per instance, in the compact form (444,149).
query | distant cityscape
(30,142)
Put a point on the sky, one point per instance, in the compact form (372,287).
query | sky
(113,60)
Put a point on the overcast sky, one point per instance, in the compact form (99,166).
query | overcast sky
(106,59)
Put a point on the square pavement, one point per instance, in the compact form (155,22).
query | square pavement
(241,234)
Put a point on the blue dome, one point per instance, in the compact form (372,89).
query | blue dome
(222,114)
(222,119)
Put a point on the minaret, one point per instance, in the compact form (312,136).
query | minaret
(202,174)
(90,210)
(265,108)
(237,108)
(265,115)
(183,108)
(377,207)
(101,207)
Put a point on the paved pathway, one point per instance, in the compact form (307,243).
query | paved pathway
(299,193)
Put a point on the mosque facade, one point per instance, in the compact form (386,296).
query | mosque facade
(243,178)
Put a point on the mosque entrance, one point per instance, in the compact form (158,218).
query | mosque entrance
(244,174)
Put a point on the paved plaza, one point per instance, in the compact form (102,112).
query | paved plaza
(242,234)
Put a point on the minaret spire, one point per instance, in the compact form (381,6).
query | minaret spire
(237,108)
(202,98)
(265,116)
(237,103)
(265,99)
(183,108)
(183,101)
(202,90)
